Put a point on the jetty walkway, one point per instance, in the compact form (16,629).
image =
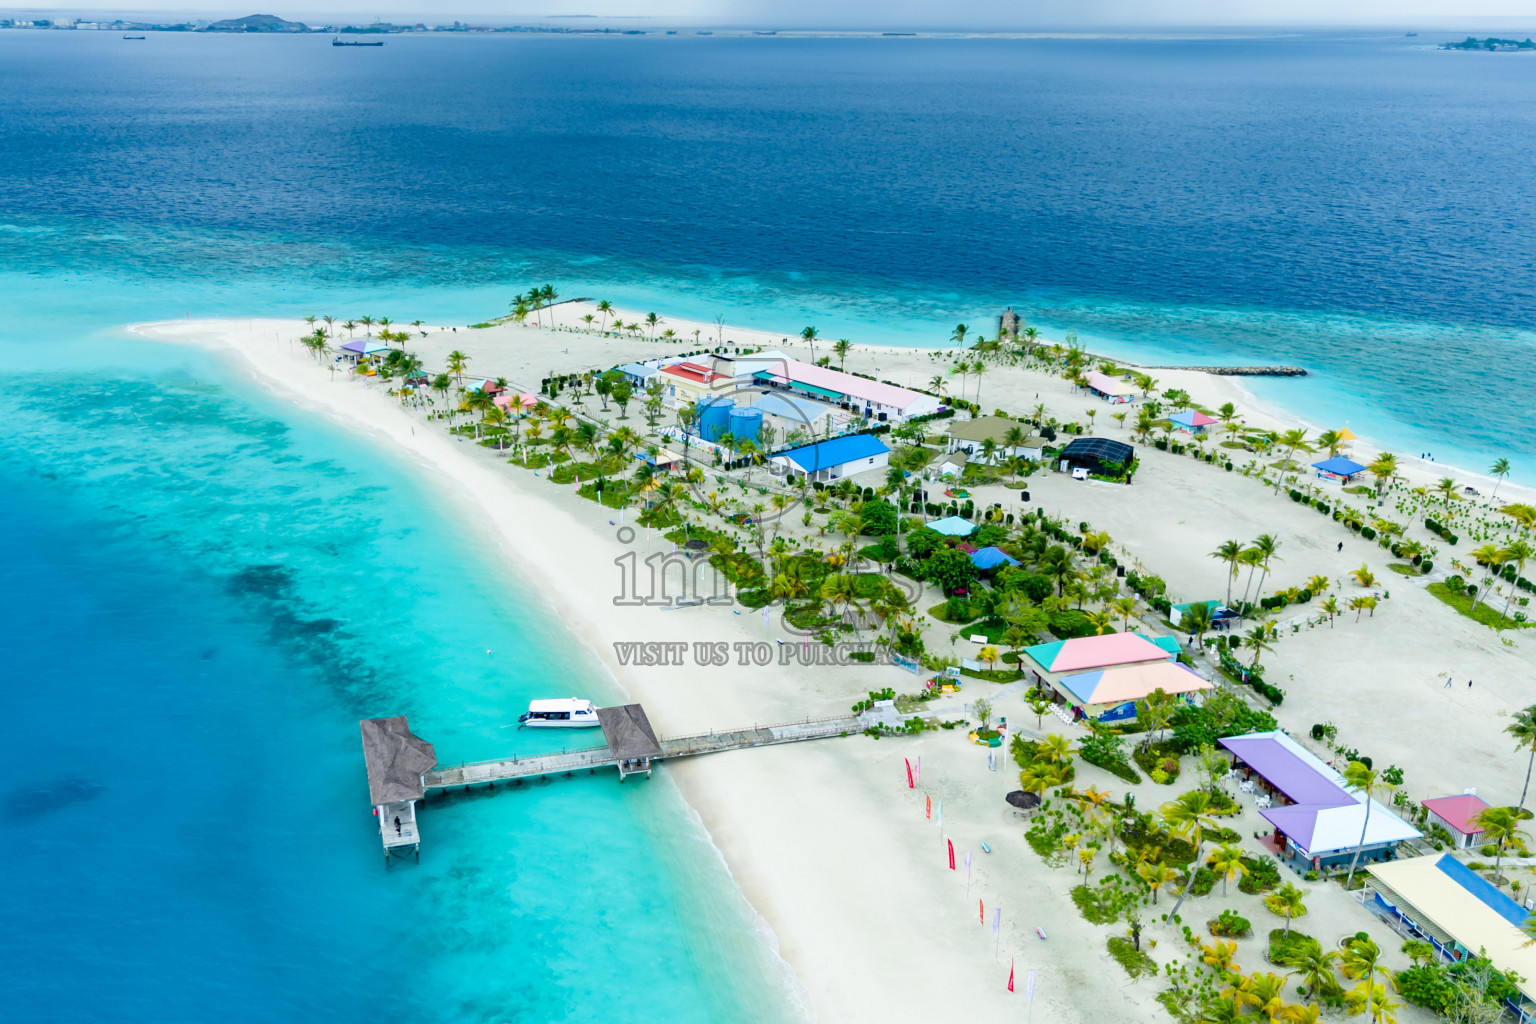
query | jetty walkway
(402,767)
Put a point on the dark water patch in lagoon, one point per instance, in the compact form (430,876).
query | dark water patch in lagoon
(26,804)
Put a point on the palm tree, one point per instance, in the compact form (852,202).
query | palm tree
(1330,608)
(1298,1014)
(367,322)
(1523,514)
(651,320)
(1501,826)
(1292,439)
(809,335)
(958,334)
(1266,545)
(1490,556)
(1227,861)
(606,309)
(1523,729)
(938,384)
(1157,877)
(1189,813)
(841,349)
(1359,778)
(1221,957)
(1518,552)
(1056,562)
(1384,468)
(1313,965)
(1197,621)
(962,369)
(1230,552)
(1260,638)
(1055,749)
(1330,441)
(977,369)
(1264,992)
(1499,469)
(1286,902)
(456,362)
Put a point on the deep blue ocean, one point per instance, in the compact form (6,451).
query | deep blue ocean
(203,590)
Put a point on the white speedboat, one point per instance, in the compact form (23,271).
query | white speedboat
(561,713)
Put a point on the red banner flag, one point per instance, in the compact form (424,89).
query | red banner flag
(928,807)
(910,783)
(981,912)
(951,844)
(1010,975)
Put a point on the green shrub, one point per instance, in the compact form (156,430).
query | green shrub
(1229,925)
(1263,875)
(1136,963)
(1429,986)
(1282,945)
(1091,904)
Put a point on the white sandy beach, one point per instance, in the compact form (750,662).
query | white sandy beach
(825,840)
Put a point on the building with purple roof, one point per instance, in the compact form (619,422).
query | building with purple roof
(1318,822)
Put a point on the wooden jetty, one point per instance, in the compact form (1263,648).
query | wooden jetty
(402,768)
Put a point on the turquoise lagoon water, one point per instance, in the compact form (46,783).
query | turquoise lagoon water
(204,591)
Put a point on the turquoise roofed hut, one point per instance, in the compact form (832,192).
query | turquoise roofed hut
(952,526)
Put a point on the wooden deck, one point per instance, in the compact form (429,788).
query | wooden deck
(514,768)
(630,746)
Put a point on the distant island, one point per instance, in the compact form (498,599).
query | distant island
(1490,43)
(257,23)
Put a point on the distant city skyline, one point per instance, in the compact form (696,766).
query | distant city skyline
(852,15)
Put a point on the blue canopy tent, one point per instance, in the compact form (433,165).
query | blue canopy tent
(953,526)
(987,559)
(1338,468)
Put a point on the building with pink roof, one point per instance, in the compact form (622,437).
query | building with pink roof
(1191,422)
(1114,390)
(1458,816)
(1074,671)
(529,400)
(1083,653)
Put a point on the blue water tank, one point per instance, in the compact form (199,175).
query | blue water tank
(744,423)
(714,417)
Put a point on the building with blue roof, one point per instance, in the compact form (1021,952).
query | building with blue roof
(1338,468)
(991,558)
(638,374)
(1461,913)
(835,459)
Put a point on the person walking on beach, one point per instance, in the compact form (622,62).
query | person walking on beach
(1341,545)
(1447,682)
(1469,684)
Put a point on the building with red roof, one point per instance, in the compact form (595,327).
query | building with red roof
(1458,816)
(690,382)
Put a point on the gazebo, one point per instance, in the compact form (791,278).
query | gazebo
(989,558)
(396,759)
(1338,468)
(953,526)
(360,347)
(1191,422)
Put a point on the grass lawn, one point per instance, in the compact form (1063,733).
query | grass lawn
(1484,614)
(1403,570)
